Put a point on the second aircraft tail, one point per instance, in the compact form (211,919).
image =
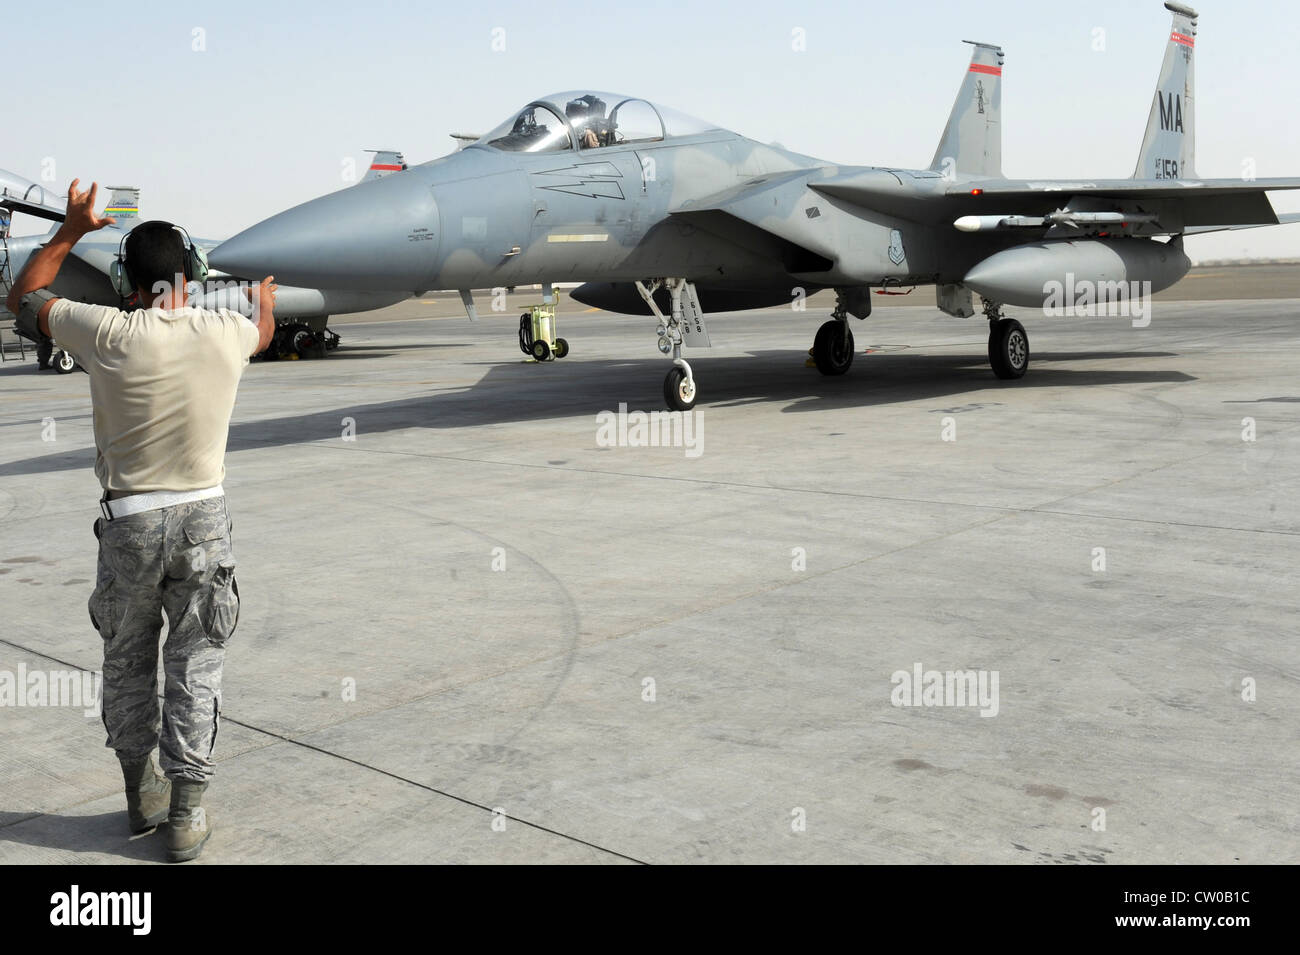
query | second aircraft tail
(1169,146)
(972,140)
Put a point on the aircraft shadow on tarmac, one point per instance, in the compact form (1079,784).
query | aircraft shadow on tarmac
(386,351)
(516,392)
(102,833)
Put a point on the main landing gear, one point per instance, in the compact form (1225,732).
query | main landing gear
(1008,344)
(297,340)
(832,349)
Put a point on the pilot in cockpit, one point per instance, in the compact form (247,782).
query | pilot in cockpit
(587,116)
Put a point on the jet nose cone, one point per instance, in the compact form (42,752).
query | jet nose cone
(380,235)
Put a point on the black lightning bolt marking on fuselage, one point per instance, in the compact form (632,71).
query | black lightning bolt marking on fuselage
(591,179)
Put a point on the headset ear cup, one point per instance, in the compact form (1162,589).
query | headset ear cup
(118,274)
(197,260)
(121,281)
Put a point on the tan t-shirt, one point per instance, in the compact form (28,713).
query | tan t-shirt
(163,384)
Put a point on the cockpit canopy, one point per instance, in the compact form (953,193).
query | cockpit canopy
(586,120)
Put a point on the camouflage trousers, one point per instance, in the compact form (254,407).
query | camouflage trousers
(175,560)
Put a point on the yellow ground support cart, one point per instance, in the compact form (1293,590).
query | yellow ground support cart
(537,333)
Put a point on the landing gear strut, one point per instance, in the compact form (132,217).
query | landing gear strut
(1008,344)
(679,387)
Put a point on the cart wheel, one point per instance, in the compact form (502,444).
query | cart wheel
(541,350)
(561,348)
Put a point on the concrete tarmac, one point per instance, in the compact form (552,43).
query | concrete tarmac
(473,632)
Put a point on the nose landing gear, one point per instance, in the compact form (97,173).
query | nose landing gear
(684,325)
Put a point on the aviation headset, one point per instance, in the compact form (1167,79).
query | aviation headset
(195,267)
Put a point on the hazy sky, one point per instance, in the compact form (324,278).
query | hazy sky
(227,112)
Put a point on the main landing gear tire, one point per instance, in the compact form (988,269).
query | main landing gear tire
(833,348)
(679,390)
(1008,349)
(541,350)
(305,342)
(64,363)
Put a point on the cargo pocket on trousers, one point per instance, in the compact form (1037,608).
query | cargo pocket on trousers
(223,605)
(103,608)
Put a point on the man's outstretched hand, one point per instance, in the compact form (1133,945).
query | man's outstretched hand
(262,297)
(42,268)
(80,217)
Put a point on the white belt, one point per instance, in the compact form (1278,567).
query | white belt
(137,503)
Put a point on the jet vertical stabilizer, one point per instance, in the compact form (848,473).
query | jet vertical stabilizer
(972,140)
(385,163)
(1169,147)
(123,203)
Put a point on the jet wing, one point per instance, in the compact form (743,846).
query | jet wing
(1285,219)
(1183,203)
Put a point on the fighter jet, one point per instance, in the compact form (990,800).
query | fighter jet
(667,215)
(302,314)
(22,195)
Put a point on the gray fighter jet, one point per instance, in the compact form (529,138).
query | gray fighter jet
(301,314)
(664,214)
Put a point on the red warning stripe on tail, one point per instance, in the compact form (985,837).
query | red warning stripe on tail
(981,68)
(1183,38)
(389,167)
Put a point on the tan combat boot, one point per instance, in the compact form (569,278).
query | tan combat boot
(188,827)
(147,794)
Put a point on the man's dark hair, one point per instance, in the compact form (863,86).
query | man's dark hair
(155,252)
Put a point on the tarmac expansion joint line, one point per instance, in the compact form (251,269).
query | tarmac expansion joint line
(282,738)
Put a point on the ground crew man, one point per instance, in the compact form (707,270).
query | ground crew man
(162,384)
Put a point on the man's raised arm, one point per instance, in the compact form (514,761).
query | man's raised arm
(43,267)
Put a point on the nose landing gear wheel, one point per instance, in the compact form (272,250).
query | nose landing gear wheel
(833,348)
(1008,349)
(64,362)
(679,390)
